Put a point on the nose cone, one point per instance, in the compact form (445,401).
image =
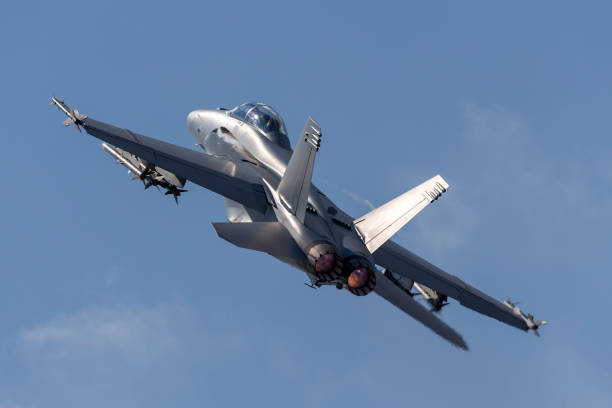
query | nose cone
(192,119)
(201,122)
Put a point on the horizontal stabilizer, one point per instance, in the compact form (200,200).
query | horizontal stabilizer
(380,224)
(269,237)
(295,184)
(403,301)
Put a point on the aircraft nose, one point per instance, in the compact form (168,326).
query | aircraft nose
(191,121)
(201,122)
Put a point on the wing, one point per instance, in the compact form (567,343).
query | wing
(405,263)
(214,173)
(398,297)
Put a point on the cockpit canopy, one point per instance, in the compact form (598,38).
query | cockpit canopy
(265,119)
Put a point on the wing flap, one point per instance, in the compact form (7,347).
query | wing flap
(399,298)
(214,173)
(380,224)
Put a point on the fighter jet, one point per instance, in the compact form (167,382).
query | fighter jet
(273,207)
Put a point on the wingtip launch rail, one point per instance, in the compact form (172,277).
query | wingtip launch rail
(530,321)
(74,117)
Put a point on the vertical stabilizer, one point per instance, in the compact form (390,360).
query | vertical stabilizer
(380,224)
(295,184)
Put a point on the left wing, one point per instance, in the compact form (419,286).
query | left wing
(214,173)
(405,263)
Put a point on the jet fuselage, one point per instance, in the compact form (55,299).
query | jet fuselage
(219,133)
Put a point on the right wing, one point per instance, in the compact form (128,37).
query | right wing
(405,263)
(398,297)
(214,173)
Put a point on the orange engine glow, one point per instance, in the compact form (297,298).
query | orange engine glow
(358,278)
(361,281)
(325,263)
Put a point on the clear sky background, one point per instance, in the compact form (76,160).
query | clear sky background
(114,296)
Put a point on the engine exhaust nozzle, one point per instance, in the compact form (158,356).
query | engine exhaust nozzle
(325,261)
(360,277)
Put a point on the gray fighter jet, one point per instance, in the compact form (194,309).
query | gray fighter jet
(273,207)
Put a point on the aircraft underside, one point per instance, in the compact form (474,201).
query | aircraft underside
(273,207)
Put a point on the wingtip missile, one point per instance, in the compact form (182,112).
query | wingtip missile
(530,321)
(73,115)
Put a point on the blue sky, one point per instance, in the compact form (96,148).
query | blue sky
(114,296)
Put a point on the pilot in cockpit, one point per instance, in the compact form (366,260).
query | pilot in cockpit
(265,119)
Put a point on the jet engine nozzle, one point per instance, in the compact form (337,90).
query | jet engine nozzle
(325,261)
(358,278)
(361,279)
